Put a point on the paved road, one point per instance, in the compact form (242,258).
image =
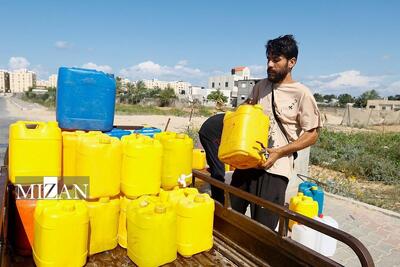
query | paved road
(379,232)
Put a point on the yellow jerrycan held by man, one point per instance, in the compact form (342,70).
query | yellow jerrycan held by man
(141,165)
(303,205)
(195,216)
(176,160)
(103,221)
(35,149)
(61,233)
(244,135)
(99,158)
(152,234)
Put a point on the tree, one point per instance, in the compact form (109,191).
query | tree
(396,97)
(136,92)
(153,92)
(217,96)
(361,101)
(329,98)
(319,97)
(344,99)
(166,96)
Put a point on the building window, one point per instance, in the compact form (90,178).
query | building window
(212,84)
(226,84)
(372,106)
(383,108)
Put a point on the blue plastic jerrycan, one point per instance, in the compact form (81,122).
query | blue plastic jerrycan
(311,189)
(85,99)
(117,132)
(148,131)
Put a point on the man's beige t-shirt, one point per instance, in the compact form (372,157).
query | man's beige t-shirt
(298,112)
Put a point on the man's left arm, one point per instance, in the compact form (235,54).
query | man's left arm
(308,138)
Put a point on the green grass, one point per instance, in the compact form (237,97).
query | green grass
(153,110)
(371,156)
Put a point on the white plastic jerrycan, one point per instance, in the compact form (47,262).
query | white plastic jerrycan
(305,235)
(326,245)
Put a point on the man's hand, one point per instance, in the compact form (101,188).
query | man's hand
(273,155)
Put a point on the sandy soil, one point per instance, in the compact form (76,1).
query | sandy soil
(35,112)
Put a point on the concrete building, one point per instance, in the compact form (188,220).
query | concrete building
(229,82)
(181,88)
(244,89)
(4,81)
(53,80)
(42,84)
(383,104)
(21,80)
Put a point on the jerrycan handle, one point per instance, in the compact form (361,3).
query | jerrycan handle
(32,125)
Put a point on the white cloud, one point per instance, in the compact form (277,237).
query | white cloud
(353,82)
(62,45)
(258,71)
(151,70)
(91,65)
(16,63)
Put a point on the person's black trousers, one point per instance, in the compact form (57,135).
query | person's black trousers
(216,167)
(270,187)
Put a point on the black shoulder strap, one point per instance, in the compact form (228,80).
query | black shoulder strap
(278,121)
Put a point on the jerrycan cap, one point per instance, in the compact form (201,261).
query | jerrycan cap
(68,207)
(314,187)
(300,194)
(105,140)
(199,198)
(160,209)
(143,203)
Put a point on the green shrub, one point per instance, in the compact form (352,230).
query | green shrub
(372,156)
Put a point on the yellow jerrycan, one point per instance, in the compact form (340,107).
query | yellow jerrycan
(60,233)
(244,134)
(69,145)
(152,235)
(177,159)
(125,203)
(141,165)
(195,217)
(103,222)
(34,149)
(175,195)
(99,158)
(199,159)
(303,205)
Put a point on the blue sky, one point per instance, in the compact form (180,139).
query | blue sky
(345,46)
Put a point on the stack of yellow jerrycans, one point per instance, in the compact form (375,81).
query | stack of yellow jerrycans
(140,174)
(97,156)
(244,136)
(178,220)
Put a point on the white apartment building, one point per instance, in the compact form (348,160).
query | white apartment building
(180,87)
(4,81)
(21,80)
(53,80)
(42,83)
(229,82)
